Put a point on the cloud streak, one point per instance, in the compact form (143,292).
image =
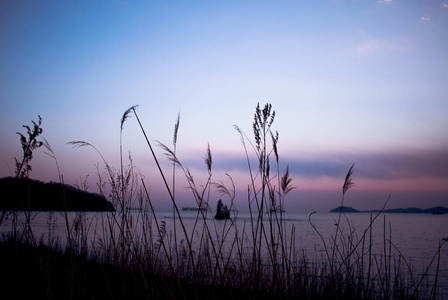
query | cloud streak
(398,165)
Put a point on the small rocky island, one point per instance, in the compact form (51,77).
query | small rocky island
(439,210)
(27,194)
(222,212)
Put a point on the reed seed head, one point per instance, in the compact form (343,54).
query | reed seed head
(286,182)
(176,129)
(208,158)
(79,144)
(126,115)
(274,144)
(348,182)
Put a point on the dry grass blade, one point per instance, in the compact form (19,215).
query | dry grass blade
(79,144)
(169,153)
(222,189)
(126,115)
(238,129)
(208,158)
(176,129)
(286,182)
(348,183)
(28,146)
(52,155)
(48,147)
(274,144)
(256,126)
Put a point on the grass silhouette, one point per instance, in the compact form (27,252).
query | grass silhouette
(132,255)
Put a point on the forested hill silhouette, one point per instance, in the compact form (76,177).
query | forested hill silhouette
(413,210)
(29,194)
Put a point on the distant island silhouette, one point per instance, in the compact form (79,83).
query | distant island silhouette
(435,210)
(20,194)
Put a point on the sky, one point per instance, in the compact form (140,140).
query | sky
(360,82)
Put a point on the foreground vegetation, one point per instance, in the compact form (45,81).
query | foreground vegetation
(135,256)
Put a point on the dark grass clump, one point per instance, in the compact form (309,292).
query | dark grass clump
(42,272)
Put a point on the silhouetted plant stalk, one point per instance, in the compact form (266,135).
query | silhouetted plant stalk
(126,248)
(64,200)
(176,130)
(160,229)
(268,200)
(436,256)
(122,179)
(29,143)
(133,109)
(118,197)
(202,198)
(348,183)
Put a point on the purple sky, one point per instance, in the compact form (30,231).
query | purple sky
(361,82)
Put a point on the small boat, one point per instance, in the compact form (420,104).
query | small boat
(197,208)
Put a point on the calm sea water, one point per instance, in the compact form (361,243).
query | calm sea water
(416,236)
